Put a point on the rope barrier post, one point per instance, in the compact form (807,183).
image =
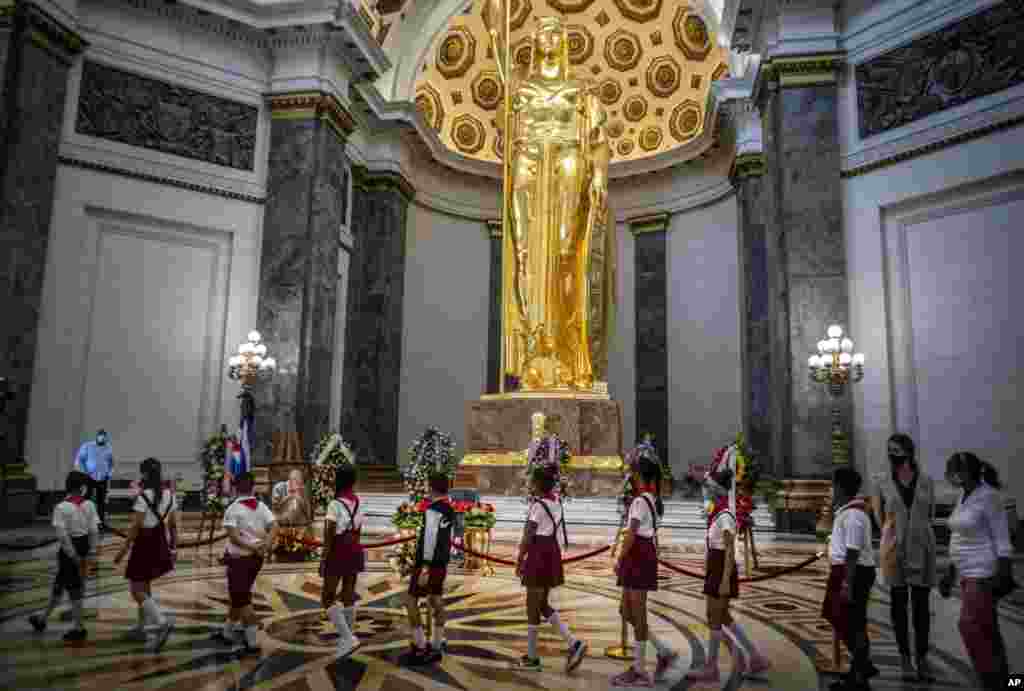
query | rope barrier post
(753,550)
(624,651)
(746,551)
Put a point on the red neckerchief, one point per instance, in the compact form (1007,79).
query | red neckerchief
(349,495)
(646,489)
(251,503)
(75,499)
(441,500)
(855,503)
(721,504)
(550,496)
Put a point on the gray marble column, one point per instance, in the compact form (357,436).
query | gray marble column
(306,196)
(36,53)
(373,348)
(802,172)
(494,315)
(651,286)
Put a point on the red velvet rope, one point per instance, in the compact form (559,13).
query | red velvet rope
(506,562)
(313,542)
(181,545)
(764,577)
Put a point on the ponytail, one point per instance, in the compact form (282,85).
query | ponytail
(650,471)
(990,475)
(152,479)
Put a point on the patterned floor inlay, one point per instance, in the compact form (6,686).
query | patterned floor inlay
(486,631)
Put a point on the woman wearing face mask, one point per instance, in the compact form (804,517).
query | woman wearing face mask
(906,510)
(979,551)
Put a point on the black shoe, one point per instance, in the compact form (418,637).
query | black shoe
(870,671)
(249,650)
(416,657)
(38,622)
(75,635)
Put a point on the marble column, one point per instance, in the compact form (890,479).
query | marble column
(651,285)
(802,172)
(373,347)
(307,185)
(753,204)
(36,53)
(494,310)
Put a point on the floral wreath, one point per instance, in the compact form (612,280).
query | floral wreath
(746,475)
(550,454)
(643,451)
(330,453)
(213,457)
(430,454)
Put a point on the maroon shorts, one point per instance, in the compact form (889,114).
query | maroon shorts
(151,556)
(542,567)
(714,568)
(848,615)
(435,582)
(242,572)
(347,557)
(640,567)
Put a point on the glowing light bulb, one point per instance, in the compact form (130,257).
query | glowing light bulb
(835,331)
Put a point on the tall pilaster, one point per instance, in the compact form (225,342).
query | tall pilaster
(494,316)
(802,147)
(373,348)
(651,289)
(755,209)
(307,181)
(36,53)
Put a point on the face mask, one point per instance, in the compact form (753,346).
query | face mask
(101,439)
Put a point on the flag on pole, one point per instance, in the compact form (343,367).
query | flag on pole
(245,444)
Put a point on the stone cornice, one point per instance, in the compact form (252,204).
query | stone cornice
(310,105)
(42,28)
(802,70)
(654,223)
(405,115)
(374,180)
(171,182)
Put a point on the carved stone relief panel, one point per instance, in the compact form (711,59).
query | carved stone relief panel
(977,56)
(140,111)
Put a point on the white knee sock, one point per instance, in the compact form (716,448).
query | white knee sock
(640,657)
(337,616)
(153,611)
(713,642)
(350,617)
(228,630)
(252,635)
(531,641)
(561,627)
(418,637)
(658,644)
(438,634)
(76,613)
(743,639)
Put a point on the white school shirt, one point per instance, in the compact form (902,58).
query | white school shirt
(979,533)
(168,505)
(723,522)
(851,529)
(539,516)
(252,524)
(337,513)
(640,511)
(76,521)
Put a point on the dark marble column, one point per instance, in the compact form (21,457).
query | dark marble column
(751,193)
(306,192)
(36,53)
(373,340)
(494,311)
(802,147)
(651,286)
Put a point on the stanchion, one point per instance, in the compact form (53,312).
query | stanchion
(623,651)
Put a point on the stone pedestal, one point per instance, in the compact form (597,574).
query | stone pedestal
(18,496)
(802,501)
(498,434)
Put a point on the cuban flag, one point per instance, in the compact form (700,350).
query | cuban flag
(235,461)
(245,444)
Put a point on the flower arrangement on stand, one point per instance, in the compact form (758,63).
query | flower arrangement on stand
(293,545)
(552,454)
(432,452)
(750,478)
(409,517)
(329,454)
(481,516)
(213,457)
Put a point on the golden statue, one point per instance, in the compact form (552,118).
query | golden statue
(558,251)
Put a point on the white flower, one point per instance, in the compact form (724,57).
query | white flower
(332,442)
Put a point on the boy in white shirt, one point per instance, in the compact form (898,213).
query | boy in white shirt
(852,576)
(252,530)
(77,525)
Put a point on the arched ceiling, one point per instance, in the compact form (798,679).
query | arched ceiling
(653,61)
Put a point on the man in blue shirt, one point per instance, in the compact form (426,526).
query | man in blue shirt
(96,459)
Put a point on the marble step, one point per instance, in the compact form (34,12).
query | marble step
(603,511)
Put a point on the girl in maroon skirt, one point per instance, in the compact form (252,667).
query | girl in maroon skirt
(721,581)
(540,568)
(153,540)
(252,530)
(637,571)
(344,558)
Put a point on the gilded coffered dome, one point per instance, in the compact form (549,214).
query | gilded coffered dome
(652,62)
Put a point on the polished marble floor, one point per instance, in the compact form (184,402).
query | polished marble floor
(487,629)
